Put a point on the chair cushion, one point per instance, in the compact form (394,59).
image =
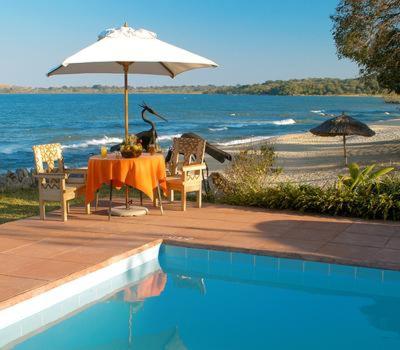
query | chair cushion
(174,181)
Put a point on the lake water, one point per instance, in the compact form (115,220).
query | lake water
(83,122)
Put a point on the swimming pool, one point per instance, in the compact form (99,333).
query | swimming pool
(206,299)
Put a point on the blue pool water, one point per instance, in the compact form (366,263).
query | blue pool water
(83,122)
(205,299)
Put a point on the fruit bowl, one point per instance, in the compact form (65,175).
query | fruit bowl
(131,154)
(134,151)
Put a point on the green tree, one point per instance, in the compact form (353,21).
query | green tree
(368,32)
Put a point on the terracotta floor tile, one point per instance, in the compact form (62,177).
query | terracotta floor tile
(7,243)
(9,263)
(368,240)
(346,251)
(19,283)
(310,234)
(41,249)
(7,293)
(393,243)
(388,255)
(294,245)
(324,226)
(90,254)
(49,269)
(374,229)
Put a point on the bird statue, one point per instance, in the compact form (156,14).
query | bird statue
(148,137)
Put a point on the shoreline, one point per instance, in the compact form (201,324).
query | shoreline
(175,93)
(306,158)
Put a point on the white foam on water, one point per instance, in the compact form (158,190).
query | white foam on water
(95,142)
(218,129)
(288,121)
(319,112)
(9,149)
(168,137)
(285,122)
(244,141)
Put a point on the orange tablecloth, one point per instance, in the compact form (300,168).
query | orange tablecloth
(142,173)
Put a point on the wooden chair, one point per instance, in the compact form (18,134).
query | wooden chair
(54,182)
(186,176)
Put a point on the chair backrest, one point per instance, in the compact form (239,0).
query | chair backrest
(48,158)
(191,149)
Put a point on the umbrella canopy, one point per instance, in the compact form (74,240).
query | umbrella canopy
(342,125)
(140,48)
(126,50)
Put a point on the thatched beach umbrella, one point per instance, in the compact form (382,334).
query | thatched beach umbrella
(343,125)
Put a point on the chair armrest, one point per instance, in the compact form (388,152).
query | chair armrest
(50,176)
(193,167)
(82,171)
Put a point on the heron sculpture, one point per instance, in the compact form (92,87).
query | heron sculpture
(148,137)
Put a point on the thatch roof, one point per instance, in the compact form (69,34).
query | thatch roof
(342,125)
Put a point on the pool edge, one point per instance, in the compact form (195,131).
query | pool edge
(29,295)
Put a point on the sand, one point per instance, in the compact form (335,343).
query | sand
(306,158)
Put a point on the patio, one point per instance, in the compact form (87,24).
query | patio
(36,255)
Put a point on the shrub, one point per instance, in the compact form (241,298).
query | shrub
(375,196)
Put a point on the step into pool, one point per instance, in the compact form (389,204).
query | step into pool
(206,299)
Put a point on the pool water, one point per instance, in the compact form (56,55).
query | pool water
(206,299)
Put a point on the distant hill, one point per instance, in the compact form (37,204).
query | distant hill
(312,86)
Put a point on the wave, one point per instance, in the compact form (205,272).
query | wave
(106,140)
(168,137)
(9,149)
(243,141)
(218,129)
(233,114)
(95,142)
(319,112)
(285,122)
(288,121)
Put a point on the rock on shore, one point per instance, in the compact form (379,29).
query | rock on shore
(20,179)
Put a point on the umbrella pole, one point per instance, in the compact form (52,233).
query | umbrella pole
(126,69)
(344,150)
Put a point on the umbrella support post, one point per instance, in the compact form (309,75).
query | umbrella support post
(127,210)
(344,150)
(126,197)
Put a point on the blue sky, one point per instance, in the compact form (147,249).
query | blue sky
(253,40)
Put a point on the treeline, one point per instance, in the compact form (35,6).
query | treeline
(105,89)
(313,86)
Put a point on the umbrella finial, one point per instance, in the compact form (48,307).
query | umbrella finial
(126,24)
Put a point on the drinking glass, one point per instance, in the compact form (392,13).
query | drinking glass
(103,152)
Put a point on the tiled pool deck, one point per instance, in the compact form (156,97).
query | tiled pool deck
(36,255)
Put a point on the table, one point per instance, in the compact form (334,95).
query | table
(145,173)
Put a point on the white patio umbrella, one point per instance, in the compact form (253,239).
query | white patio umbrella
(129,51)
(126,50)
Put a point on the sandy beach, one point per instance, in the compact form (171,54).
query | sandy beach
(311,159)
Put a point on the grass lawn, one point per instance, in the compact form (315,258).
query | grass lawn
(25,203)
(22,204)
